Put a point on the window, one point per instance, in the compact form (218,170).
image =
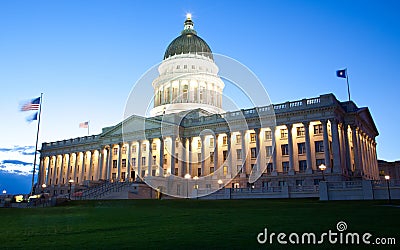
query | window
(252,137)
(123,150)
(318,129)
(301,148)
(176,171)
(302,166)
(176,144)
(123,163)
(225,155)
(154,146)
(154,160)
(143,161)
(319,146)
(211,142)
(199,157)
(165,159)
(176,158)
(123,176)
(115,150)
(238,154)
(269,168)
(199,143)
(114,176)
(114,163)
(268,150)
(211,157)
(238,139)
(211,170)
(225,170)
(284,133)
(134,162)
(282,183)
(185,66)
(319,162)
(198,171)
(239,169)
(143,173)
(300,131)
(144,147)
(178,66)
(134,149)
(153,172)
(285,166)
(268,135)
(224,140)
(285,149)
(253,153)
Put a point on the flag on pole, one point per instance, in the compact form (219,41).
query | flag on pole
(341,73)
(31,105)
(84,125)
(32,118)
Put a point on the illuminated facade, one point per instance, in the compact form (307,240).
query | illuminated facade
(288,152)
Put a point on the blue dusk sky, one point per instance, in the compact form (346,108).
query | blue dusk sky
(85,56)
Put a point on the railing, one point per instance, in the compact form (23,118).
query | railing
(344,184)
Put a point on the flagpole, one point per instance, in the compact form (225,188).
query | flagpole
(36,147)
(348,86)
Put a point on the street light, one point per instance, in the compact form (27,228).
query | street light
(387,178)
(196,186)
(4,191)
(187,177)
(220,183)
(70,184)
(43,187)
(322,167)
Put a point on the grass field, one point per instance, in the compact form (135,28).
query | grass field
(191,224)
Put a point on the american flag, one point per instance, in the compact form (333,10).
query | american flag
(31,105)
(84,125)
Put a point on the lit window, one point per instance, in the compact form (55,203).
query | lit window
(211,142)
(123,163)
(300,131)
(134,162)
(284,133)
(224,140)
(268,150)
(154,146)
(238,154)
(134,149)
(268,135)
(252,137)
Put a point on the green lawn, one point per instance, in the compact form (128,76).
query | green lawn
(194,224)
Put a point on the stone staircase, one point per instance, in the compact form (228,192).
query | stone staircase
(107,190)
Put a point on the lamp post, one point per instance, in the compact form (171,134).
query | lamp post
(220,183)
(187,177)
(322,167)
(69,192)
(196,186)
(387,178)
(43,187)
(4,191)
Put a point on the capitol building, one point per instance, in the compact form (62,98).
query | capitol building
(188,136)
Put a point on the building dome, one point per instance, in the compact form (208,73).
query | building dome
(188,43)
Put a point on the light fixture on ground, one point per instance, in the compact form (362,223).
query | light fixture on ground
(187,177)
(196,186)
(69,191)
(322,167)
(387,178)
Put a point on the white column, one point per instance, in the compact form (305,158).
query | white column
(128,162)
(120,145)
(335,147)
(161,160)
(308,147)
(290,147)
(172,164)
(89,176)
(203,157)
(99,174)
(347,147)
(76,165)
(274,149)
(243,146)
(216,165)
(69,167)
(48,170)
(61,170)
(360,152)
(150,157)
(139,160)
(190,139)
(83,168)
(53,182)
(258,155)
(327,154)
(109,161)
(356,152)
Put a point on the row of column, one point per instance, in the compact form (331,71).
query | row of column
(364,152)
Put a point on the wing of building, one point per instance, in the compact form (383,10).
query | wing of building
(287,150)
